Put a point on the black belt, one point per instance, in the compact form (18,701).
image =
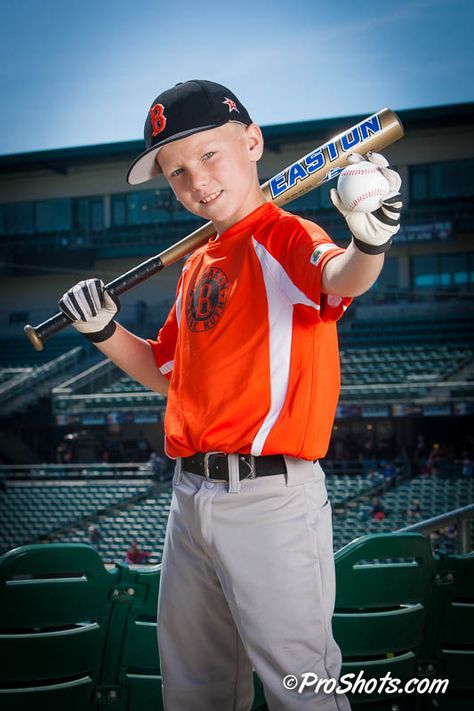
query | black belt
(214,465)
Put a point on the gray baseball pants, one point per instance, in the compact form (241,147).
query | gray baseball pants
(248,582)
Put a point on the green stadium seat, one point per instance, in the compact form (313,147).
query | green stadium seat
(383,588)
(54,618)
(132,663)
(76,636)
(449,642)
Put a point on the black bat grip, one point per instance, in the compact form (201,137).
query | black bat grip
(135,276)
(37,335)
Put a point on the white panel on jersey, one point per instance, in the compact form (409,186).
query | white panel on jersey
(282,295)
(178,306)
(179,298)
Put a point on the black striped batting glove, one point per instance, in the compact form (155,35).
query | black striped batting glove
(91,309)
(372,232)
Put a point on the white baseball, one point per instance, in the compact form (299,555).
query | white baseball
(362,187)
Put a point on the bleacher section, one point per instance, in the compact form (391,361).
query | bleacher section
(408,332)
(408,361)
(381,362)
(31,511)
(144,521)
(18,352)
(125,384)
(402,364)
(344,488)
(436,496)
(104,391)
(126,510)
(394,363)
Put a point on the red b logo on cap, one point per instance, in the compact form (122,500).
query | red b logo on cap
(158,119)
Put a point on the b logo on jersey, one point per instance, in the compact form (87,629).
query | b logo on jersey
(206,299)
(157,118)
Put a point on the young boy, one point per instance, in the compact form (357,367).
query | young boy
(248,357)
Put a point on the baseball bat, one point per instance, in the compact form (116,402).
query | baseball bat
(324,163)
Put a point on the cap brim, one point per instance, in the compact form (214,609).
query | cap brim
(145,166)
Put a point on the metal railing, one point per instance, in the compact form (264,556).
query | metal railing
(17,393)
(86,472)
(460,517)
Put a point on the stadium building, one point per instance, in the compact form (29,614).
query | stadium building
(79,440)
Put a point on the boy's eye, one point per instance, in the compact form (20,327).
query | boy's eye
(208,155)
(176,172)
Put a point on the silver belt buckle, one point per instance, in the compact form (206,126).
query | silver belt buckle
(206,464)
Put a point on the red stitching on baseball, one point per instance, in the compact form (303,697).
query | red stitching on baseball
(361,171)
(363,196)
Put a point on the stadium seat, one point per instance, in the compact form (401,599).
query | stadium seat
(132,663)
(449,642)
(383,588)
(132,641)
(76,636)
(54,619)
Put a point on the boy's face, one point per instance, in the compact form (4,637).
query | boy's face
(213,173)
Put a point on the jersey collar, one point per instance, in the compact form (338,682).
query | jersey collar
(245,226)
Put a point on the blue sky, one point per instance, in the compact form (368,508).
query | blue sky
(77,72)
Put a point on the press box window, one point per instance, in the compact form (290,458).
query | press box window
(88,215)
(313,200)
(119,210)
(388,278)
(442,181)
(141,208)
(443,271)
(53,215)
(19,218)
(148,207)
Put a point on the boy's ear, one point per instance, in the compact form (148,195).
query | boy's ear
(255,141)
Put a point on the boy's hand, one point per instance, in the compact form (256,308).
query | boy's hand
(91,309)
(373,231)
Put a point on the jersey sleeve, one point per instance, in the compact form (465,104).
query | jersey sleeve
(303,249)
(165,344)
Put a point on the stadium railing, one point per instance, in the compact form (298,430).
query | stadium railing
(461,517)
(80,471)
(38,381)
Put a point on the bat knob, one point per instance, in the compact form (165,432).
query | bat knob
(33,337)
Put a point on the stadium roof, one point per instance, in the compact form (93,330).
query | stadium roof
(60,159)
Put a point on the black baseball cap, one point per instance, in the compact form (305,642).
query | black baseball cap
(187,108)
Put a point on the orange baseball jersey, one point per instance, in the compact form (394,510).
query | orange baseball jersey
(250,345)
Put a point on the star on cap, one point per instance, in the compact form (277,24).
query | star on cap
(231,104)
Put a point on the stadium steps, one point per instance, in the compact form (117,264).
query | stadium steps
(78,636)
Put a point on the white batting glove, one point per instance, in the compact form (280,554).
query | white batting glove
(373,231)
(91,309)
